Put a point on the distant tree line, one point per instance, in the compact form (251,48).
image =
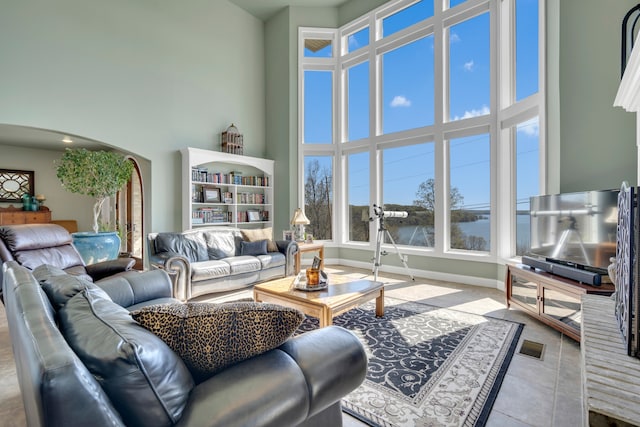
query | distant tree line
(417,229)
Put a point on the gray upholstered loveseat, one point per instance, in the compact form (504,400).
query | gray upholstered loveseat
(83,361)
(217,259)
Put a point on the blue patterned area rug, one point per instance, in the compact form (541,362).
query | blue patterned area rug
(428,366)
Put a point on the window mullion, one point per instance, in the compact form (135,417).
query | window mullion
(440,61)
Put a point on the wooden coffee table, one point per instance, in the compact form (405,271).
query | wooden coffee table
(340,296)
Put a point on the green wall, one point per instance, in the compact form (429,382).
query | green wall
(147,76)
(597,141)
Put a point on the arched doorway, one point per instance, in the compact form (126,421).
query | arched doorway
(130,214)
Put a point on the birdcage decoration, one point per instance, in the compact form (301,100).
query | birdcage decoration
(232,140)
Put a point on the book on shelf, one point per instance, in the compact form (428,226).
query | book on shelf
(199,174)
(209,216)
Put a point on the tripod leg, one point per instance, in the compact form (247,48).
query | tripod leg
(376,258)
(406,267)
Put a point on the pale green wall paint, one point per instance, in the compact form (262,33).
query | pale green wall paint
(552,178)
(356,8)
(63,204)
(148,76)
(483,270)
(278,99)
(597,141)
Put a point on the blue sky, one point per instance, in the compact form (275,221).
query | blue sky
(408,102)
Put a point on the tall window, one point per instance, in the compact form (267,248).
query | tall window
(527,151)
(318,195)
(358,101)
(469,193)
(407,185)
(318,107)
(428,108)
(358,195)
(407,91)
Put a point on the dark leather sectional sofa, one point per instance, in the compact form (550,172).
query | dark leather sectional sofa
(299,383)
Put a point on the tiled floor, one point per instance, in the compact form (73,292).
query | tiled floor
(535,392)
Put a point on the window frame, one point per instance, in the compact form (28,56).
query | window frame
(500,124)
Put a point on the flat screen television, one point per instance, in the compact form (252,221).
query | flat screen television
(575,229)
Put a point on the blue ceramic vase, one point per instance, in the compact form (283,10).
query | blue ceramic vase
(97,247)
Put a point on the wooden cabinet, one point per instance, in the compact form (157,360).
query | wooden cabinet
(226,189)
(10,217)
(551,299)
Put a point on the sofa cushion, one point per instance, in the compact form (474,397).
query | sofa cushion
(221,244)
(145,380)
(209,270)
(210,337)
(272,259)
(60,287)
(192,246)
(243,264)
(258,234)
(253,248)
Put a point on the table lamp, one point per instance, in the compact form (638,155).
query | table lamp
(299,220)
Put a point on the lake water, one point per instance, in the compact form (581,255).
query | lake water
(481,228)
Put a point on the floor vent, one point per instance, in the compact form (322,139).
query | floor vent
(532,349)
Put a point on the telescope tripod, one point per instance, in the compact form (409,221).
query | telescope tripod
(382,230)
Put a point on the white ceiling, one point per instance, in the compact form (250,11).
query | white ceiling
(265,9)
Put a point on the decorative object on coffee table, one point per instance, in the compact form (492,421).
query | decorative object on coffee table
(338,297)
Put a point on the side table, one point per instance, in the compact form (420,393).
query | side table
(309,247)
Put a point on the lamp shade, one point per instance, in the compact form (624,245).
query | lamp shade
(299,218)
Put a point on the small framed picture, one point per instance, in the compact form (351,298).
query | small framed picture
(309,238)
(287,235)
(211,195)
(253,216)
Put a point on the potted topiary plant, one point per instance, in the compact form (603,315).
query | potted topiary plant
(99,174)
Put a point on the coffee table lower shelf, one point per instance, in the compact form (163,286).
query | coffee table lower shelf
(325,304)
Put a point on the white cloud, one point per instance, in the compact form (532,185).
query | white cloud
(353,43)
(400,101)
(474,113)
(530,127)
(468,66)
(454,38)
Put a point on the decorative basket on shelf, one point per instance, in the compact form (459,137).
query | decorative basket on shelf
(232,140)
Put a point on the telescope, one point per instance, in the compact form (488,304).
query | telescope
(382,231)
(380,212)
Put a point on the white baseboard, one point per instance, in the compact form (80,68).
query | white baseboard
(425,274)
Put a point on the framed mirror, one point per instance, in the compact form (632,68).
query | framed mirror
(14,184)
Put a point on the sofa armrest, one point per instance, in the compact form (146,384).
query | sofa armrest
(135,287)
(282,387)
(179,270)
(333,361)
(289,248)
(104,269)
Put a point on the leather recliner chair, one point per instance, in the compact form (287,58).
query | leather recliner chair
(32,245)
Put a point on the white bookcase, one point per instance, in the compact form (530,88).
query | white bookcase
(226,189)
